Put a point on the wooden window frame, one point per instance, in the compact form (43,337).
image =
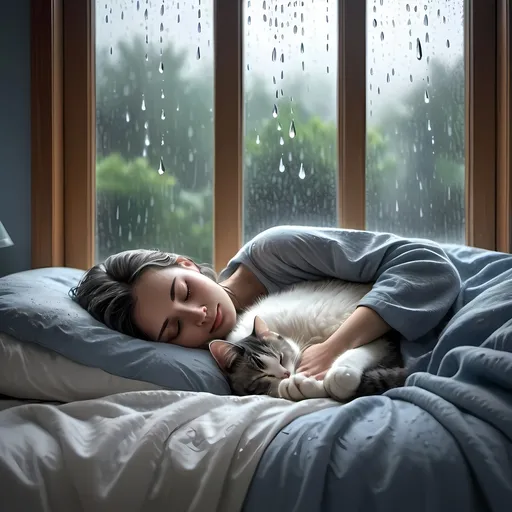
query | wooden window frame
(63,127)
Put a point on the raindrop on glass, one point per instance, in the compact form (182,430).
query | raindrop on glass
(302,173)
(429,126)
(162,94)
(127,116)
(146,15)
(279,128)
(281,165)
(162,115)
(425,21)
(248,20)
(161,67)
(161,27)
(199,27)
(146,140)
(419,51)
(198,54)
(292,132)
(274,111)
(179,18)
(374,23)
(301,47)
(257,139)
(427,99)
(382,36)
(281,141)
(177,108)
(447,43)
(143,106)
(161,167)
(190,132)
(274,55)
(295,29)
(162,10)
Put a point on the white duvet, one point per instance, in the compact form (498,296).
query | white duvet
(144,450)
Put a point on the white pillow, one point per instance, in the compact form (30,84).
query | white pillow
(28,371)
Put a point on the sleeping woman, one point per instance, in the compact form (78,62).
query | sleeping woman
(441,442)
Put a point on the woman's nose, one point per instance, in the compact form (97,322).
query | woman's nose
(197,314)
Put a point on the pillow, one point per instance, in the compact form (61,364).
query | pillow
(35,373)
(35,308)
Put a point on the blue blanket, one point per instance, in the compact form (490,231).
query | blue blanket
(443,443)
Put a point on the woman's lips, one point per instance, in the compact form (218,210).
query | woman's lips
(218,319)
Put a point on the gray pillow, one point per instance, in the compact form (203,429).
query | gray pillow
(35,308)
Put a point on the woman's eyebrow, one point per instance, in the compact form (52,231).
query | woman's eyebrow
(172,289)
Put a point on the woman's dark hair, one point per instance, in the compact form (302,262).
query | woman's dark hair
(106,289)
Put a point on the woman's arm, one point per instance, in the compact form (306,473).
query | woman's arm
(414,281)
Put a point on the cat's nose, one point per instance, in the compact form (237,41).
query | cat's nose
(286,374)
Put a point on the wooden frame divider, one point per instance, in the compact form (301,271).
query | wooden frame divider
(80,132)
(480,36)
(229,125)
(352,114)
(47,187)
(504,133)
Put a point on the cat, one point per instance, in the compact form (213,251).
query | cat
(262,352)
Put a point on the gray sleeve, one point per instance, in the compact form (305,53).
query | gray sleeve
(415,282)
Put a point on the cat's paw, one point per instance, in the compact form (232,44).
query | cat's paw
(299,387)
(341,382)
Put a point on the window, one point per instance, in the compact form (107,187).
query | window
(193,125)
(290,134)
(416,119)
(154,119)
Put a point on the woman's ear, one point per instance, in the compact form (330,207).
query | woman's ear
(224,354)
(187,263)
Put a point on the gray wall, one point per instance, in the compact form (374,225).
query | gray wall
(15,133)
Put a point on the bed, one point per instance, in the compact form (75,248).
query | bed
(94,420)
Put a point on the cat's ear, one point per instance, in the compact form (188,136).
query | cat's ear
(224,353)
(260,329)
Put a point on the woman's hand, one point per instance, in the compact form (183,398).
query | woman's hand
(317,360)
(363,326)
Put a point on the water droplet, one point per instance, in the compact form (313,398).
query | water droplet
(198,54)
(248,20)
(396,206)
(162,10)
(161,27)
(127,116)
(427,38)
(295,29)
(199,27)
(374,23)
(388,79)
(146,140)
(146,57)
(257,139)
(162,115)
(146,124)
(421,212)
(162,94)
(447,43)
(427,99)
(161,67)
(419,51)
(161,167)
(143,106)
(274,55)
(179,18)
(429,127)
(178,107)
(281,165)
(279,128)
(146,15)
(190,132)
(292,132)
(302,173)
(410,78)
(382,36)
(281,141)
(301,47)
(274,111)
(425,21)
(408,8)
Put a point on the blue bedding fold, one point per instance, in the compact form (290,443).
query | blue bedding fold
(443,443)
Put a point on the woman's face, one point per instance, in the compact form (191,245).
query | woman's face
(179,305)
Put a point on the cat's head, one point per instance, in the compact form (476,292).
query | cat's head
(256,364)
